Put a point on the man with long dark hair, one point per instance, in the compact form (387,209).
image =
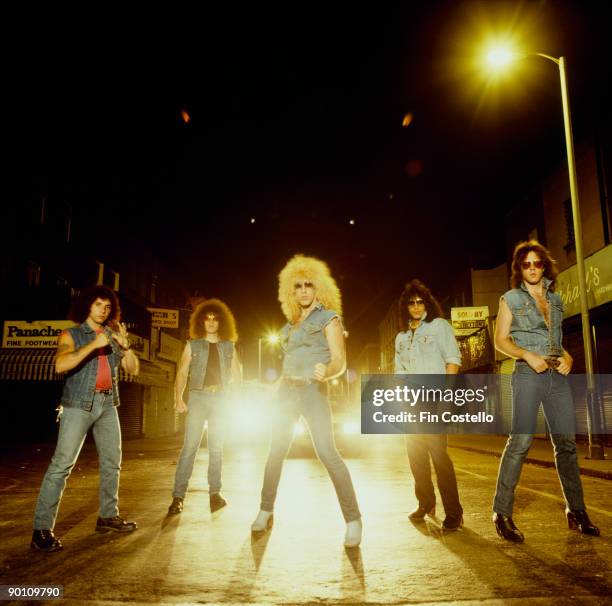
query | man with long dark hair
(90,354)
(426,345)
(529,328)
(209,364)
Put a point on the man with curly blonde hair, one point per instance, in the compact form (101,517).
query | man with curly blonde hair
(209,363)
(314,352)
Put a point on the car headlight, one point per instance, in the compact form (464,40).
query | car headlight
(350,427)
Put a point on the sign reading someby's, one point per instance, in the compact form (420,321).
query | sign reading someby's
(40,333)
(467,320)
(164,318)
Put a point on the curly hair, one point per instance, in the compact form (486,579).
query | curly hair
(81,306)
(432,307)
(227,323)
(314,270)
(521,250)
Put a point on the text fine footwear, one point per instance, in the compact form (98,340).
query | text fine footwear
(263,521)
(45,540)
(216,502)
(506,528)
(176,506)
(352,538)
(420,512)
(579,520)
(115,524)
(452,522)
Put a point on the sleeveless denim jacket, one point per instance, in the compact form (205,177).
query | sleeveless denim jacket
(199,360)
(80,383)
(528,329)
(305,345)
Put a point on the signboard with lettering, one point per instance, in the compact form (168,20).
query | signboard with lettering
(170,348)
(598,270)
(164,318)
(40,333)
(140,346)
(468,320)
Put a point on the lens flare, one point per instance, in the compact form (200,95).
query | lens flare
(499,57)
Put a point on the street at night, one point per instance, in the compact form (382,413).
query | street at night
(202,558)
(245,249)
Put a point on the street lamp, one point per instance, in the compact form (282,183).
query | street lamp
(499,57)
(271,338)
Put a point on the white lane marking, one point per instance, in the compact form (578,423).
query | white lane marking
(533,490)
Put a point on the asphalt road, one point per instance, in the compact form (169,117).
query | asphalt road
(202,558)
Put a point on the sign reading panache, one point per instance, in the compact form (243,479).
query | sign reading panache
(40,333)
(598,270)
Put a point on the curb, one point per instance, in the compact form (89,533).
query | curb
(585,471)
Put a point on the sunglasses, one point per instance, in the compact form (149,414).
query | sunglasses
(299,285)
(413,302)
(536,264)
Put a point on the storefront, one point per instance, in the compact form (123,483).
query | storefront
(31,390)
(598,270)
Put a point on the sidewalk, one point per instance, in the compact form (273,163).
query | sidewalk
(540,453)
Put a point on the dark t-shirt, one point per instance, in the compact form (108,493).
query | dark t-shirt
(213,366)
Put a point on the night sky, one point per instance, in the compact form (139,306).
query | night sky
(296,121)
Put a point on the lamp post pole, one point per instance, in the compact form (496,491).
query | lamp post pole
(596,449)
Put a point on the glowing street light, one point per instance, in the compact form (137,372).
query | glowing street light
(501,57)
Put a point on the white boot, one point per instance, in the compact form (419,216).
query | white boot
(352,538)
(263,521)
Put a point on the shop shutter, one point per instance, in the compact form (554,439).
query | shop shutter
(130,411)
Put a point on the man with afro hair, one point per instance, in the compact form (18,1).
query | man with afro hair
(208,365)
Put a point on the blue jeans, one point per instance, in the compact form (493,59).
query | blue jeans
(552,390)
(202,407)
(74,425)
(309,401)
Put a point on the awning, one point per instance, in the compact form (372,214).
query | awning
(38,364)
(28,365)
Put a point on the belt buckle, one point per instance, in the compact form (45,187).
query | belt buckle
(553,363)
(212,388)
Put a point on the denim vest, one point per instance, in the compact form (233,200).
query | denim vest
(199,360)
(80,384)
(305,344)
(528,329)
